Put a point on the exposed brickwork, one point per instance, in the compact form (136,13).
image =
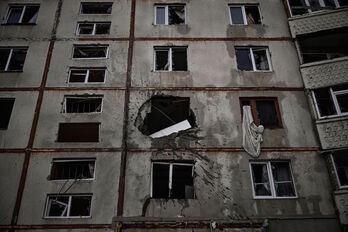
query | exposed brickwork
(325,74)
(333,134)
(318,22)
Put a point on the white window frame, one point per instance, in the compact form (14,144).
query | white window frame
(245,21)
(90,3)
(253,59)
(170,174)
(90,58)
(94,28)
(84,97)
(166,14)
(74,160)
(10,56)
(170,58)
(86,75)
(271,180)
(22,14)
(333,95)
(48,204)
(321,3)
(336,173)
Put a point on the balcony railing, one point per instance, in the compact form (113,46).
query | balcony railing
(333,133)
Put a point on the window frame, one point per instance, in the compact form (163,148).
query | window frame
(64,110)
(48,204)
(59,160)
(91,45)
(253,108)
(170,58)
(86,75)
(10,57)
(10,116)
(8,12)
(333,95)
(91,3)
(268,55)
(308,5)
(245,21)
(170,181)
(166,14)
(271,179)
(340,186)
(94,28)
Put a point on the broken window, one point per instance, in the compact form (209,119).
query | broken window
(166,115)
(265,111)
(272,179)
(299,7)
(65,169)
(245,15)
(22,14)
(68,206)
(96,7)
(170,14)
(90,75)
(340,161)
(6,105)
(82,104)
(331,101)
(90,51)
(170,59)
(12,59)
(253,59)
(172,180)
(78,132)
(94,28)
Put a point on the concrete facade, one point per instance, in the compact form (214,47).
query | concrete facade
(121,188)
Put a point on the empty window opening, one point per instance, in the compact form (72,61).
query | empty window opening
(94,28)
(6,106)
(245,15)
(326,46)
(340,161)
(299,7)
(22,14)
(68,206)
(82,104)
(78,132)
(12,59)
(165,115)
(253,59)
(272,180)
(170,14)
(66,169)
(90,75)
(331,101)
(90,51)
(172,180)
(96,7)
(265,111)
(170,59)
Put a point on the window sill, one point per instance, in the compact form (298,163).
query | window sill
(163,71)
(64,180)
(18,24)
(77,217)
(332,118)
(251,71)
(275,198)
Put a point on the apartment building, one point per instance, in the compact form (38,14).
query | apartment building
(320,30)
(131,115)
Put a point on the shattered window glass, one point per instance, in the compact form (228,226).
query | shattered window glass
(171,58)
(72,169)
(261,60)
(87,75)
(261,181)
(90,51)
(83,104)
(68,206)
(58,206)
(176,15)
(252,59)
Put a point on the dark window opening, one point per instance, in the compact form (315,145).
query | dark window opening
(87,75)
(265,111)
(94,28)
(282,179)
(170,59)
(252,59)
(168,114)
(65,206)
(6,105)
(252,15)
(12,59)
(78,132)
(179,59)
(176,15)
(172,180)
(299,7)
(90,51)
(26,14)
(81,104)
(72,169)
(86,29)
(340,159)
(96,8)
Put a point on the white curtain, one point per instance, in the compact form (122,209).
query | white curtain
(252,134)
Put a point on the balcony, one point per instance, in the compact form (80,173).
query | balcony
(318,21)
(325,73)
(333,133)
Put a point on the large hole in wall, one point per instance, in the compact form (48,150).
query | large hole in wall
(164,115)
